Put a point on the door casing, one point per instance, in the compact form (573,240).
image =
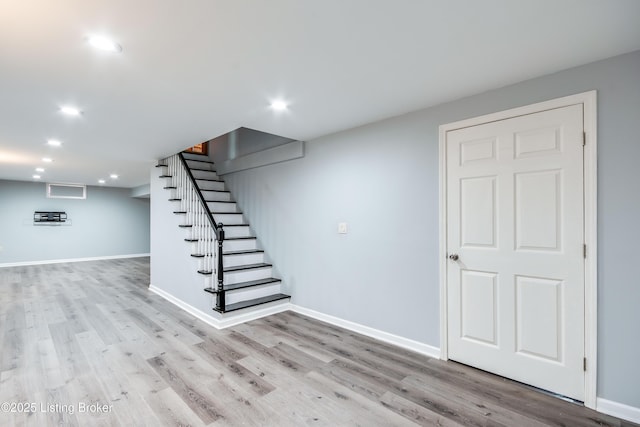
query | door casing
(589,101)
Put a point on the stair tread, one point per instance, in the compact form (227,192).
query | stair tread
(190,240)
(162,166)
(170,188)
(166,176)
(198,255)
(253,302)
(207,179)
(185,225)
(243,285)
(180,212)
(196,160)
(216,191)
(205,272)
(230,213)
(246,267)
(174,200)
(200,169)
(220,201)
(240,238)
(243,252)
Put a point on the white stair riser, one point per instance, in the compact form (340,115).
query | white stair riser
(233,260)
(239,245)
(188,156)
(251,293)
(215,195)
(228,218)
(247,275)
(237,232)
(211,185)
(204,174)
(222,207)
(201,165)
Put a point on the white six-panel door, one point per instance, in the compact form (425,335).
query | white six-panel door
(515,221)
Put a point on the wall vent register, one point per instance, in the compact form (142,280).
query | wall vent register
(49,217)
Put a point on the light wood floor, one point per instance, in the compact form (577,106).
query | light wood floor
(91,333)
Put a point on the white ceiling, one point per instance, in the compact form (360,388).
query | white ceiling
(193,70)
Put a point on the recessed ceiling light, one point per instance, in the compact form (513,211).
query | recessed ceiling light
(104,43)
(70,111)
(36,176)
(39,169)
(114,176)
(101,181)
(47,160)
(54,142)
(279,105)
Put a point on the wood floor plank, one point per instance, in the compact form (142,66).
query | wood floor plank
(92,332)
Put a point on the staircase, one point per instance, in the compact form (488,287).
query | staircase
(233,266)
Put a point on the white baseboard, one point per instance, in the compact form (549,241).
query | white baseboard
(221,322)
(60,261)
(399,341)
(620,410)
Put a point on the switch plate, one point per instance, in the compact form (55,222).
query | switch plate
(342,228)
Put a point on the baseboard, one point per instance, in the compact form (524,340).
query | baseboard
(399,341)
(60,261)
(228,319)
(620,410)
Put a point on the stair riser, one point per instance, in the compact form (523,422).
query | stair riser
(239,245)
(222,207)
(204,174)
(188,156)
(250,293)
(228,218)
(201,165)
(233,260)
(237,232)
(211,185)
(247,275)
(214,195)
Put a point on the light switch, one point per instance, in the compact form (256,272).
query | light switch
(342,228)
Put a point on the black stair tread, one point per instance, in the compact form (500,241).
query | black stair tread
(185,225)
(220,201)
(246,267)
(243,285)
(162,166)
(200,169)
(227,213)
(253,302)
(166,176)
(174,200)
(191,240)
(198,255)
(205,272)
(244,252)
(196,160)
(180,212)
(207,179)
(216,191)
(240,238)
(170,188)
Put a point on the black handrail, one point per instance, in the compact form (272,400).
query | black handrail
(219,230)
(200,196)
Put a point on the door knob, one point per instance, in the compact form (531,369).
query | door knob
(453,257)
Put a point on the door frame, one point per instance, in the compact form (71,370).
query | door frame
(589,101)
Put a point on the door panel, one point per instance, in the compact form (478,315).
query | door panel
(515,217)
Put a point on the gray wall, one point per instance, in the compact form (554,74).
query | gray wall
(241,142)
(109,222)
(382,179)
